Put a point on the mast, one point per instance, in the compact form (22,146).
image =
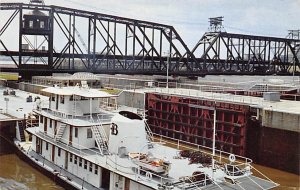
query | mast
(214,142)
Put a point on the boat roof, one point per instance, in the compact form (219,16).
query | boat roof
(78,91)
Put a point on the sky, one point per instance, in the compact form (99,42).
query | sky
(190,17)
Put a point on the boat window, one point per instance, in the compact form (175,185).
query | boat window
(83,98)
(41,119)
(89,133)
(80,162)
(91,167)
(75,159)
(58,152)
(46,145)
(53,98)
(96,169)
(30,24)
(62,99)
(71,157)
(73,97)
(42,24)
(50,123)
(85,164)
(76,132)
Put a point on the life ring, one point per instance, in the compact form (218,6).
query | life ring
(149,175)
(232,158)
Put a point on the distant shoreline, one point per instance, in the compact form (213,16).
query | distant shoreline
(7,65)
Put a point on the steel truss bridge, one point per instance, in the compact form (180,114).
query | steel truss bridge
(114,44)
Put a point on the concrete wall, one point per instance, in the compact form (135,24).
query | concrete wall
(123,82)
(33,88)
(131,99)
(280,120)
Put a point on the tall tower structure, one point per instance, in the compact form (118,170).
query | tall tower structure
(36,36)
(216,24)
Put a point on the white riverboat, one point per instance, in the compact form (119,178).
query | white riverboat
(84,147)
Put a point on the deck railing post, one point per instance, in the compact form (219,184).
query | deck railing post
(82,183)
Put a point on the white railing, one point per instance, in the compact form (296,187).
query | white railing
(108,105)
(160,180)
(103,117)
(241,166)
(32,123)
(236,170)
(222,155)
(123,87)
(59,114)
(192,182)
(148,131)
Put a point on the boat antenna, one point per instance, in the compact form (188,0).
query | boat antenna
(216,24)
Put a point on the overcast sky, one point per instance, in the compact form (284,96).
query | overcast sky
(190,17)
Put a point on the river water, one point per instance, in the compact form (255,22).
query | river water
(15,174)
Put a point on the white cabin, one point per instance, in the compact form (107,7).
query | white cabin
(74,134)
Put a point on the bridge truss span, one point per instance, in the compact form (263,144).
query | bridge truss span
(60,39)
(228,52)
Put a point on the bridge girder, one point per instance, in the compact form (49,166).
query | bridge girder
(114,44)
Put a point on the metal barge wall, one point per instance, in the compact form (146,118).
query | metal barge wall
(184,118)
(269,137)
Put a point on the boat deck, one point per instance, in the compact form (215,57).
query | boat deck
(250,182)
(128,168)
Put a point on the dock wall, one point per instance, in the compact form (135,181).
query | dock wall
(281,120)
(33,88)
(131,99)
(276,148)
